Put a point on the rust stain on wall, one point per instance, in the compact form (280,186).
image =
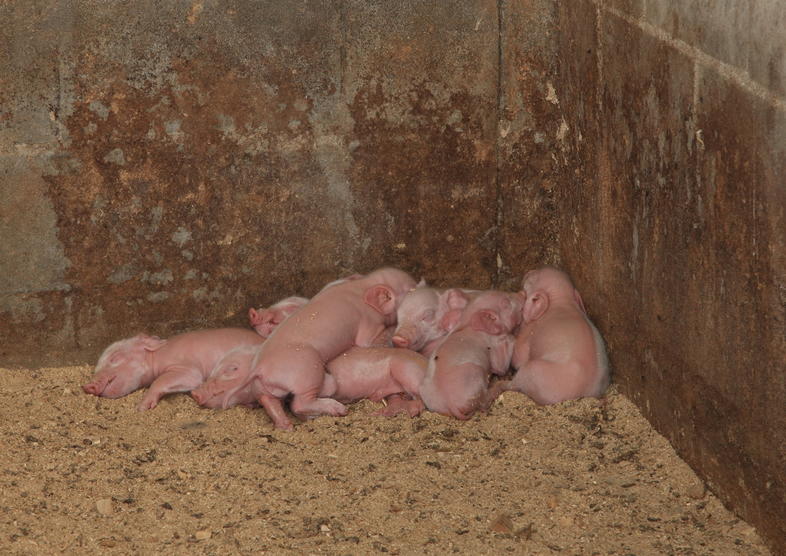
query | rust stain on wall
(166,195)
(678,229)
(427,174)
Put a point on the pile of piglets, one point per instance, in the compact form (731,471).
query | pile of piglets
(382,337)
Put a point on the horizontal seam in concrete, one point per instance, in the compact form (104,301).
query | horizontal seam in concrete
(54,288)
(29,149)
(738,76)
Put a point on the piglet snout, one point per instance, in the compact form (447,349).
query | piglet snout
(199,396)
(92,388)
(401,341)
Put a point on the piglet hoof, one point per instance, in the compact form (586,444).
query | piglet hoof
(415,407)
(147,403)
(284,425)
(332,407)
(318,406)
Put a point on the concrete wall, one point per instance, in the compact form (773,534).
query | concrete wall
(167,165)
(675,128)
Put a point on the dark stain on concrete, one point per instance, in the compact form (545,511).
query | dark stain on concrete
(678,226)
(173,192)
(429,174)
(530,168)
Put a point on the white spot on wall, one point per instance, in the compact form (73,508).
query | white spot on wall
(122,274)
(551,93)
(156,213)
(455,118)
(562,132)
(181,236)
(99,108)
(172,129)
(115,156)
(157,297)
(226,124)
(158,278)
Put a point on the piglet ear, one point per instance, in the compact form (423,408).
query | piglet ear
(151,343)
(253,317)
(453,298)
(487,321)
(535,306)
(422,283)
(452,303)
(577,297)
(450,320)
(381,298)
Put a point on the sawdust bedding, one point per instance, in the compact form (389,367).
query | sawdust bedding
(86,475)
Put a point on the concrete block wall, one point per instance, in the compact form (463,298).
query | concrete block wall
(675,128)
(165,166)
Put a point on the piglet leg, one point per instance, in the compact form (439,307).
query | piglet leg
(494,391)
(302,372)
(308,405)
(547,382)
(275,411)
(397,404)
(408,371)
(501,354)
(179,380)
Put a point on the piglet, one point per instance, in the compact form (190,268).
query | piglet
(375,373)
(265,320)
(292,360)
(427,314)
(178,364)
(228,384)
(559,354)
(457,378)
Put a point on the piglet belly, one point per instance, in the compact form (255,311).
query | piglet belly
(358,377)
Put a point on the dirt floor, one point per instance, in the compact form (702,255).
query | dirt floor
(79,474)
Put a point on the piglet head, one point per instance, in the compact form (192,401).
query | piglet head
(229,382)
(264,321)
(123,367)
(496,312)
(390,287)
(416,318)
(546,286)
(426,314)
(382,298)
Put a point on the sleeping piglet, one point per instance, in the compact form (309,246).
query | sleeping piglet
(458,372)
(178,364)
(292,360)
(373,373)
(559,354)
(265,320)
(427,315)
